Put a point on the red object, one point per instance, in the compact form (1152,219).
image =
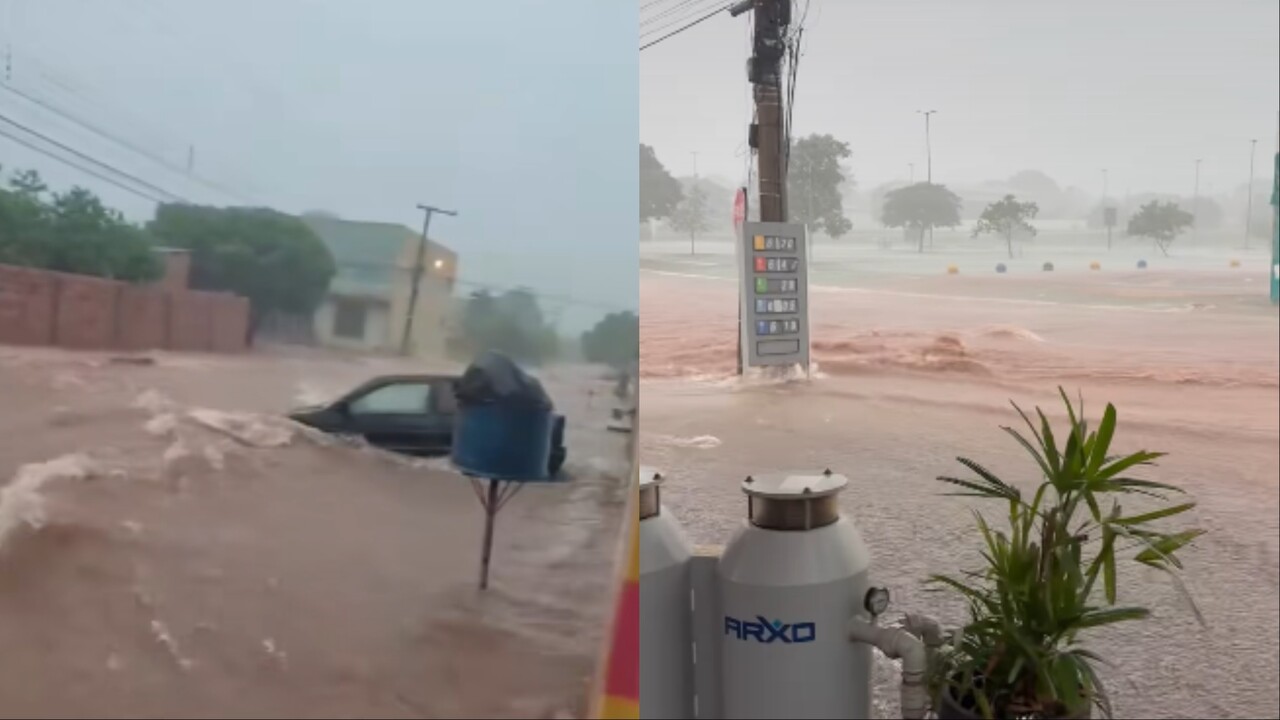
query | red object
(739,210)
(760,266)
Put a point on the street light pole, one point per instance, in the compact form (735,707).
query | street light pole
(416,280)
(1248,213)
(693,234)
(928,155)
(928,145)
(1195,204)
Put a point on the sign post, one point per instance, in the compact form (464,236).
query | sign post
(739,218)
(1275,226)
(775,295)
(1109,219)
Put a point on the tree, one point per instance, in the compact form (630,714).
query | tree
(1006,217)
(919,207)
(73,232)
(272,259)
(511,323)
(815,182)
(614,341)
(659,192)
(690,215)
(1162,222)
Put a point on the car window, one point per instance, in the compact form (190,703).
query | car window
(399,398)
(446,401)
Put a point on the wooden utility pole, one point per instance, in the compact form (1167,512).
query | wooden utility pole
(772,17)
(419,265)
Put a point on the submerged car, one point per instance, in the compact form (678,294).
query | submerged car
(407,414)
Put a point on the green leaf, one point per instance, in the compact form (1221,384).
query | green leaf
(978,489)
(1110,616)
(1163,548)
(1108,556)
(1031,450)
(1124,463)
(1153,515)
(1006,490)
(1050,445)
(1106,430)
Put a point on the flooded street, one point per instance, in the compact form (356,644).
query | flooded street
(915,367)
(169,547)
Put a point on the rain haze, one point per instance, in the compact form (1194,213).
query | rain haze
(1000,199)
(1065,88)
(229,363)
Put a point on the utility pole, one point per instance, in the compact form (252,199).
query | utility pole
(191,159)
(770,20)
(911,170)
(764,72)
(1195,205)
(1248,213)
(418,266)
(928,155)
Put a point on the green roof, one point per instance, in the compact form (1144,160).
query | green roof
(365,253)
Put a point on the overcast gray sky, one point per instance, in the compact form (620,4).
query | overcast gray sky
(364,109)
(1138,86)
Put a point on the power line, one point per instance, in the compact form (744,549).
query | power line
(67,115)
(677,9)
(679,30)
(81,168)
(95,161)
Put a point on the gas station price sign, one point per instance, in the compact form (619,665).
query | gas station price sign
(775,294)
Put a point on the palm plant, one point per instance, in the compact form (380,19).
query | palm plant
(1020,653)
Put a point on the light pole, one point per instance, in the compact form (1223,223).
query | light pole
(1195,205)
(928,146)
(928,155)
(1248,213)
(1106,219)
(693,234)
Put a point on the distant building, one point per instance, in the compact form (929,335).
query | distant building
(368,301)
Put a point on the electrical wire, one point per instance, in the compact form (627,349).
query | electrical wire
(677,31)
(683,7)
(131,178)
(85,124)
(31,146)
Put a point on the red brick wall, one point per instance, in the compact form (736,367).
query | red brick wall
(86,312)
(142,318)
(79,311)
(230,323)
(26,306)
(190,321)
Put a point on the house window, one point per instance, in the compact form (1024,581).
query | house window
(348,319)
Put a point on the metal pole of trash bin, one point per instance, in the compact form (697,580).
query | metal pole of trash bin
(492,500)
(490,515)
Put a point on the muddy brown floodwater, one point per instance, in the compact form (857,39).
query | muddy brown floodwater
(915,367)
(169,547)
